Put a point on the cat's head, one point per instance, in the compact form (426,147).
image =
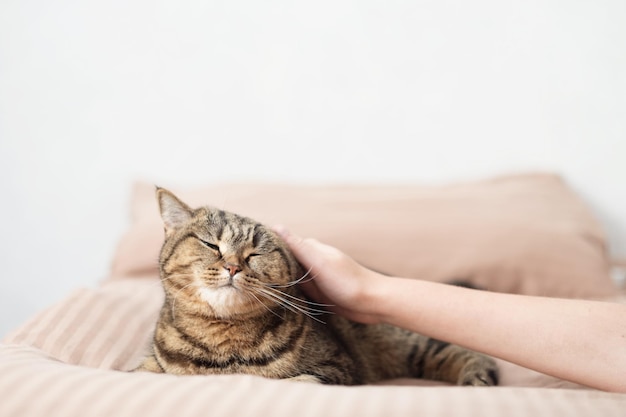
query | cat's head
(229,265)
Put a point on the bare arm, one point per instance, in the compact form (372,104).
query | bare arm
(577,340)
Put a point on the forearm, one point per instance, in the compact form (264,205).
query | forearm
(581,341)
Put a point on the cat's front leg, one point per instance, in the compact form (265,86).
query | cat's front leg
(149,364)
(438,360)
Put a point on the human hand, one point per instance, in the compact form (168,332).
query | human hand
(336,279)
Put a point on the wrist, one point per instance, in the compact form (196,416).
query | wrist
(375,296)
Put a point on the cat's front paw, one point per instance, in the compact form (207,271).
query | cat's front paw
(305,378)
(481,374)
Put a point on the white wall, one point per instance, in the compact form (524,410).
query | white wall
(94,94)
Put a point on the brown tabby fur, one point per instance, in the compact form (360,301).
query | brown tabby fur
(232,306)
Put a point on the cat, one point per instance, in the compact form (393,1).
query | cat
(232,306)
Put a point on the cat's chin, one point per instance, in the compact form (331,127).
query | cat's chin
(226,301)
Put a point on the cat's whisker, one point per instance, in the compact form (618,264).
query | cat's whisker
(177,275)
(288,284)
(161,281)
(172,276)
(263,304)
(176,295)
(275,301)
(301,300)
(287,297)
(294,309)
(292,306)
(303,279)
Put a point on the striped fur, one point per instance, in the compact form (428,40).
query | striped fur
(232,305)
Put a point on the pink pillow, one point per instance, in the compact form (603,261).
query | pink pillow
(528,234)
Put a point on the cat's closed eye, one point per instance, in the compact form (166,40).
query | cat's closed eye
(210,245)
(252,255)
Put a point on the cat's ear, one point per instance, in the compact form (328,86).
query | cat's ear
(174,212)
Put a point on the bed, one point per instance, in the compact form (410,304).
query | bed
(527,234)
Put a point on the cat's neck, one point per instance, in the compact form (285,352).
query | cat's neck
(224,333)
(181,314)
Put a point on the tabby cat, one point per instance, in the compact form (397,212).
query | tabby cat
(232,305)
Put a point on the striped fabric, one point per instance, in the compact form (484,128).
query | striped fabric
(102,328)
(67,362)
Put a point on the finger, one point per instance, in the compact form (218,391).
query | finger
(286,234)
(281,230)
(299,246)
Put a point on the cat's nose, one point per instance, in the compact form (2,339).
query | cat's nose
(232,269)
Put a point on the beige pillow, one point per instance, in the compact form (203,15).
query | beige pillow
(526,234)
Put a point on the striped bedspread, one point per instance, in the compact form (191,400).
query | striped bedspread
(70,360)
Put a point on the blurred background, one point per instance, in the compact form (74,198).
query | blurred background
(96,94)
